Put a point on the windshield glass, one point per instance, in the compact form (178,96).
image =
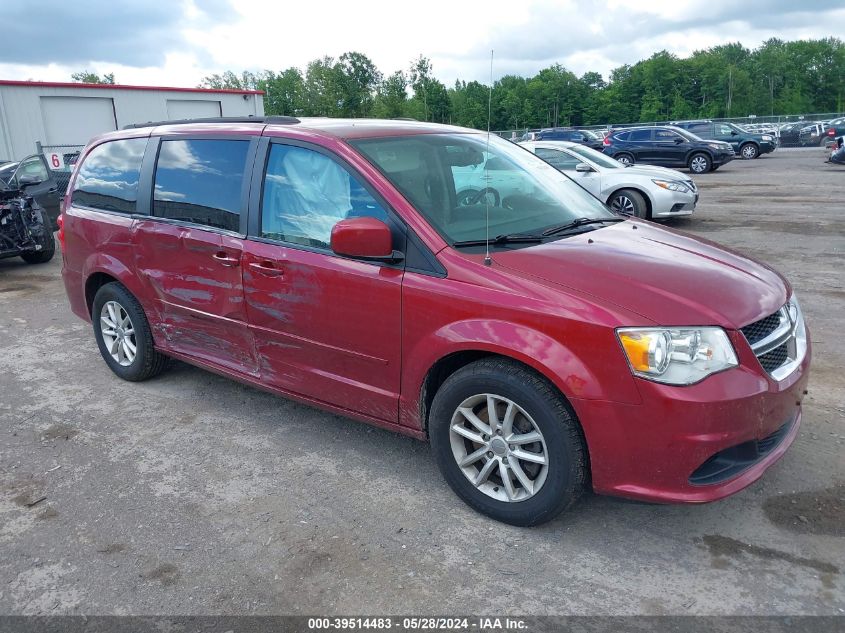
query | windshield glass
(595,156)
(452,178)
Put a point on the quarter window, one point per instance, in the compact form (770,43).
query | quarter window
(306,193)
(108,178)
(201,181)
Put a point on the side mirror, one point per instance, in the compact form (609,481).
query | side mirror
(364,238)
(583,168)
(27,180)
(734,133)
(679,140)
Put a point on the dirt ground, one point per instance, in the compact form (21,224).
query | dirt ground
(192,494)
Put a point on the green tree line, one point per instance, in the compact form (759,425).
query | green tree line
(802,76)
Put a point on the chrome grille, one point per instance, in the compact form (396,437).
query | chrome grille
(774,341)
(774,359)
(759,330)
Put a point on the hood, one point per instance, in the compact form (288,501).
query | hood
(668,277)
(657,172)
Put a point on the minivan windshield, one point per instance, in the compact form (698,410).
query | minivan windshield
(456,179)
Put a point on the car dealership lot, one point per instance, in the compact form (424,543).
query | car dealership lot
(191,493)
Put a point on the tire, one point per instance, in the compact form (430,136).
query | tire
(625,158)
(48,245)
(629,202)
(474,196)
(700,163)
(538,408)
(749,151)
(111,303)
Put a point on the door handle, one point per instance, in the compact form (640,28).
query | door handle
(223,258)
(266,268)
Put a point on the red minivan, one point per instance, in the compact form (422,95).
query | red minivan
(542,344)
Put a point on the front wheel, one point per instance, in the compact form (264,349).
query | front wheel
(700,163)
(749,151)
(628,202)
(507,443)
(47,243)
(123,334)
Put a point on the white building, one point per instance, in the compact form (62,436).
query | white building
(71,113)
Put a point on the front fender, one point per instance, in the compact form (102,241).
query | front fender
(536,349)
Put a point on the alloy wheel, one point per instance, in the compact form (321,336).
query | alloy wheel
(624,205)
(498,447)
(698,164)
(118,333)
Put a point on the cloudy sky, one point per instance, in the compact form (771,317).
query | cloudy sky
(177,42)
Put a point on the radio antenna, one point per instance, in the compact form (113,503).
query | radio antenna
(487,260)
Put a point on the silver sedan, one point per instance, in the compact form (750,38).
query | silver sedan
(643,191)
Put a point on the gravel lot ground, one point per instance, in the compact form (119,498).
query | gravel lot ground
(192,494)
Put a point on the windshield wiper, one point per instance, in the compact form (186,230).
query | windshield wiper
(503,239)
(579,222)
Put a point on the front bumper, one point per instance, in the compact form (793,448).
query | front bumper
(664,449)
(767,147)
(723,158)
(671,204)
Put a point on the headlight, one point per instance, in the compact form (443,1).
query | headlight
(677,356)
(717,146)
(766,137)
(671,185)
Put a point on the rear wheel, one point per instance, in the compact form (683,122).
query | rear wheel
(749,151)
(507,443)
(625,159)
(700,163)
(123,334)
(629,202)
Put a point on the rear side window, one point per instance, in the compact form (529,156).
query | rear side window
(108,178)
(201,181)
(622,136)
(640,135)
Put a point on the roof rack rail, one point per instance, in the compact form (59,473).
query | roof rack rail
(269,120)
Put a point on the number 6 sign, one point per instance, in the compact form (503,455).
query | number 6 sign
(55,160)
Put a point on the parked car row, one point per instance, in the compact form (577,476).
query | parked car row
(748,145)
(667,146)
(811,133)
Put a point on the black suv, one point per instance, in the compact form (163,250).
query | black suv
(746,144)
(667,146)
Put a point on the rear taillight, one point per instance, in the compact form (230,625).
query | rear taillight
(606,141)
(60,222)
(831,132)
